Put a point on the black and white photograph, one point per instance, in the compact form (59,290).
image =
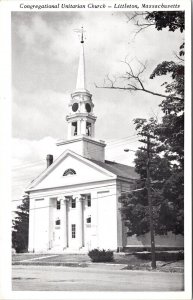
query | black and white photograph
(98,142)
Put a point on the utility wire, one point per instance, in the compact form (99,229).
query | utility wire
(110,144)
(63,194)
(92,198)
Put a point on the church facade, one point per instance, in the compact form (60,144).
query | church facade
(74,202)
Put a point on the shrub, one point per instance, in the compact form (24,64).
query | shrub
(97,255)
(162,255)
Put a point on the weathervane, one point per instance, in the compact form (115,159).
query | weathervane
(81,31)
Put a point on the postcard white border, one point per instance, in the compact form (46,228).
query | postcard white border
(6,7)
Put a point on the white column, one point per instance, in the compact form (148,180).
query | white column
(51,221)
(83,126)
(78,127)
(64,223)
(80,227)
(92,130)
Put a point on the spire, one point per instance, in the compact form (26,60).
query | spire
(81,80)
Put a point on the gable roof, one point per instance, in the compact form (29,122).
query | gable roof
(109,167)
(117,168)
(54,165)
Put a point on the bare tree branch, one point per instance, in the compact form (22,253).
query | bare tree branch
(140,21)
(134,82)
(178,57)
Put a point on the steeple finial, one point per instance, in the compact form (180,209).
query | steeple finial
(82,35)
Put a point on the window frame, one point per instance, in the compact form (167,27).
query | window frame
(73,231)
(70,172)
(58,221)
(58,204)
(88,200)
(88,220)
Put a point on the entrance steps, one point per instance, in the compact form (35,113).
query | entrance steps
(55,250)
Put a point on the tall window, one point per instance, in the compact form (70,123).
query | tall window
(58,204)
(73,231)
(73,203)
(88,200)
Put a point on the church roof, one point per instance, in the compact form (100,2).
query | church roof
(117,168)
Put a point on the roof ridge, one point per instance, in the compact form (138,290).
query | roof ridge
(114,162)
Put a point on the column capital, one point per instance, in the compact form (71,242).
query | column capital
(81,199)
(63,198)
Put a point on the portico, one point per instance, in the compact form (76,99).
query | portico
(71,216)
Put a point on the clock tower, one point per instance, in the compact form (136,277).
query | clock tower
(81,118)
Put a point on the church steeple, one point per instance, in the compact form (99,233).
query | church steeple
(81,79)
(81,118)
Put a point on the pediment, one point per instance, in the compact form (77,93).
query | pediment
(70,169)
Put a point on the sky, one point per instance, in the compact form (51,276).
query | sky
(45,54)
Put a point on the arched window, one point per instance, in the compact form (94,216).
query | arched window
(69,172)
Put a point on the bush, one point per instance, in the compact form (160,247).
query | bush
(97,255)
(161,255)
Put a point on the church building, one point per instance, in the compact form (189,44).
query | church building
(74,202)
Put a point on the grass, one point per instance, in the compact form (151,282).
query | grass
(129,261)
(25,256)
(177,266)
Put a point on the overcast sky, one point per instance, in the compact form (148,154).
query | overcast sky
(45,53)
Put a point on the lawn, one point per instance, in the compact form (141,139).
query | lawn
(129,261)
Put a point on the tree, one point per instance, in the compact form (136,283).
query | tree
(172,20)
(167,168)
(166,190)
(20,226)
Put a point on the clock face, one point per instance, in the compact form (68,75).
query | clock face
(75,107)
(88,107)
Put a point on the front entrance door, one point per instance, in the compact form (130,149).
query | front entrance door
(73,240)
(57,234)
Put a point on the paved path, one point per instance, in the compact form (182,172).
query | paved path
(92,278)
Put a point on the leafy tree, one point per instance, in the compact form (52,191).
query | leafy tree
(166,191)
(167,169)
(172,20)
(171,130)
(20,226)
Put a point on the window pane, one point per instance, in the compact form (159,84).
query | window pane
(73,231)
(57,222)
(89,200)
(88,220)
(58,204)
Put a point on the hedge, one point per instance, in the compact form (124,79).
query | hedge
(97,255)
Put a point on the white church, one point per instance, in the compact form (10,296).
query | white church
(74,203)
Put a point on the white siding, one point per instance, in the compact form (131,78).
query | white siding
(107,220)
